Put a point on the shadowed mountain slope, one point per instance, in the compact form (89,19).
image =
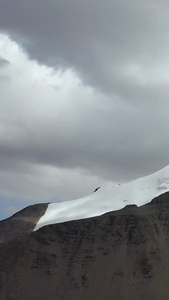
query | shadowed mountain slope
(121,255)
(22,223)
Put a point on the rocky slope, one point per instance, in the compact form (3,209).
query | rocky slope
(121,255)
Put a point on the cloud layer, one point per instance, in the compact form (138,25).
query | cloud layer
(111,43)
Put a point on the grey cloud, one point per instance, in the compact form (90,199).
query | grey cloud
(117,144)
(96,38)
(120,132)
(3,62)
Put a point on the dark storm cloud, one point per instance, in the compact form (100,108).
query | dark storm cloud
(97,38)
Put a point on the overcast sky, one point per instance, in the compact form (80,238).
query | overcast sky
(84,96)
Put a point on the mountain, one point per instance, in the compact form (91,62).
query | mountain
(121,254)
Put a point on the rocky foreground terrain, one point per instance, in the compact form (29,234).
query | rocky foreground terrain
(121,255)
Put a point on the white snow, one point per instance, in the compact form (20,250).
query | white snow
(139,192)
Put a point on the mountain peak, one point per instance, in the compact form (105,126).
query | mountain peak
(138,192)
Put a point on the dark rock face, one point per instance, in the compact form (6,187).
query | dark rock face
(121,255)
(21,223)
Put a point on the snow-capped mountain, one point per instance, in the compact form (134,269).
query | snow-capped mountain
(130,246)
(138,192)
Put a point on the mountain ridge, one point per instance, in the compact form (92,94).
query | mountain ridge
(139,192)
(120,254)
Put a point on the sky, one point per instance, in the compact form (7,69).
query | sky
(84,89)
